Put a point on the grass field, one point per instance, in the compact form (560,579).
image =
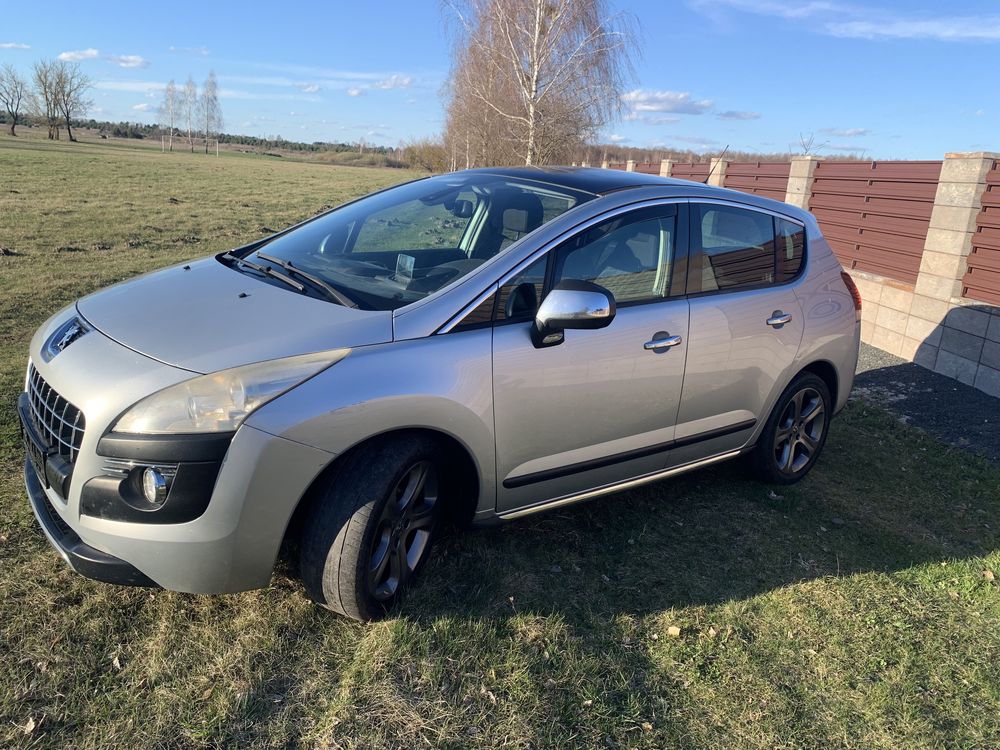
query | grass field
(857,609)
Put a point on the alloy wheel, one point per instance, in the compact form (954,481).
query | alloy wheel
(799,432)
(403,534)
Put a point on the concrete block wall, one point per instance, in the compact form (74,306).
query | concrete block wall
(928,322)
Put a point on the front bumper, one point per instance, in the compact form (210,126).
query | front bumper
(84,559)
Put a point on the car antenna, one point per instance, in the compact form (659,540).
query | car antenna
(716,164)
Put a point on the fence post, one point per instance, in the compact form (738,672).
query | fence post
(717,172)
(942,333)
(604,164)
(666,165)
(630,165)
(584,163)
(800,180)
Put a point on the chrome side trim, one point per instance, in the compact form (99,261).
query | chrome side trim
(616,487)
(120,468)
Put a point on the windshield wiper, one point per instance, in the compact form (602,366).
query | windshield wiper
(327,289)
(266,270)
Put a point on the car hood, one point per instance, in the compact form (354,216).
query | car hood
(205,316)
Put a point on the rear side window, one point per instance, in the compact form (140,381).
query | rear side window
(791,249)
(737,248)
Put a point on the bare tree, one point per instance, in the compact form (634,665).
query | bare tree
(189,106)
(13,94)
(169,110)
(209,111)
(808,145)
(551,71)
(71,86)
(45,97)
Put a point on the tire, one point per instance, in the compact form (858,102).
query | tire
(795,433)
(370,529)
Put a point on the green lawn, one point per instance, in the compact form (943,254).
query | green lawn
(854,610)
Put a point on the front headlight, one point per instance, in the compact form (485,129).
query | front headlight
(220,401)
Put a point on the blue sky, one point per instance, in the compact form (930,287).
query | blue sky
(887,79)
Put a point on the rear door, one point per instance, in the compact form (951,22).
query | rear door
(745,326)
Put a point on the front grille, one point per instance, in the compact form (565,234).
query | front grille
(59,423)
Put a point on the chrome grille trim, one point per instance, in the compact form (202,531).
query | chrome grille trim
(58,421)
(120,468)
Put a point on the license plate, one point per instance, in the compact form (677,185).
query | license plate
(36,453)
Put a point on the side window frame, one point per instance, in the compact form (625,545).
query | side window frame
(678,273)
(696,255)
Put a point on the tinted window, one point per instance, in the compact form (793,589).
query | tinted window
(629,255)
(736,247)
(519,298)
(791,249)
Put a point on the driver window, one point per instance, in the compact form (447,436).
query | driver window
(629,255)
(416,225)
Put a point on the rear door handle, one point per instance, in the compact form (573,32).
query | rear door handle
(779,319)
(659,344)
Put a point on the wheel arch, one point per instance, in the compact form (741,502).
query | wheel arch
(464,477)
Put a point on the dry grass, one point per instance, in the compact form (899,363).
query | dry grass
(849,611)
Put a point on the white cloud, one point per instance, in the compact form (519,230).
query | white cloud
(200,51)
(651,119)
(78,55)
(846,132)
(394,81)
(133,86)
(641,100)
(14,45)
(979,112)
(854,21)
(730,114)
(309,88)
(355,91)
(144,107)
(943,29)
(615,138)
(128,61)
(695,140)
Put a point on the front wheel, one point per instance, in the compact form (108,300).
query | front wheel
(370,530)
(795,432)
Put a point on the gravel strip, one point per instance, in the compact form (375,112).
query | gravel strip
(954,412)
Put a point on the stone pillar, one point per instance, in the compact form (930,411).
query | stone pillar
(944,332)
(630,165)
(604,164)
(666,166)
(800,180)
(584,163)
(717,172)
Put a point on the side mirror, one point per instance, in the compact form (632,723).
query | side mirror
(572,304)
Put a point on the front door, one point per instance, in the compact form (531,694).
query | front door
(601,406)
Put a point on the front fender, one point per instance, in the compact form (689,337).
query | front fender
(442,383)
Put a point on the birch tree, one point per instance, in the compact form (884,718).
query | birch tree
(44,98)
(552,72)
(169,110)
(209,110)
(13,94)
(189,106)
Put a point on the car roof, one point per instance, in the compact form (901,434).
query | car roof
(604,181)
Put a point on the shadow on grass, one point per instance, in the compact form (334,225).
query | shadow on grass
(512,629)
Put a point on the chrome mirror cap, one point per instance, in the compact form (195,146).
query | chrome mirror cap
(572,304)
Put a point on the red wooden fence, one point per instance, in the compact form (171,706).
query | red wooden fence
(697,171)
(982,280)
(768,179)
(876,214)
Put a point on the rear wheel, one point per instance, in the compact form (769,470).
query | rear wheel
(370,530)
(795,432)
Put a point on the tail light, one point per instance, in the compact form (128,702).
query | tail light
(853,289)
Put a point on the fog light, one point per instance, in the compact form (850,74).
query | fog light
(154,486)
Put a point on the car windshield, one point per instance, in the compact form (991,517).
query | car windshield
(396,247)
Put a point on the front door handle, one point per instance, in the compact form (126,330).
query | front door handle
(659,344)
(779,319)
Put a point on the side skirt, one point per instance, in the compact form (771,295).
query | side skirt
(617,486)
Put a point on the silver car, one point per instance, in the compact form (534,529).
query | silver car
(480,345)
